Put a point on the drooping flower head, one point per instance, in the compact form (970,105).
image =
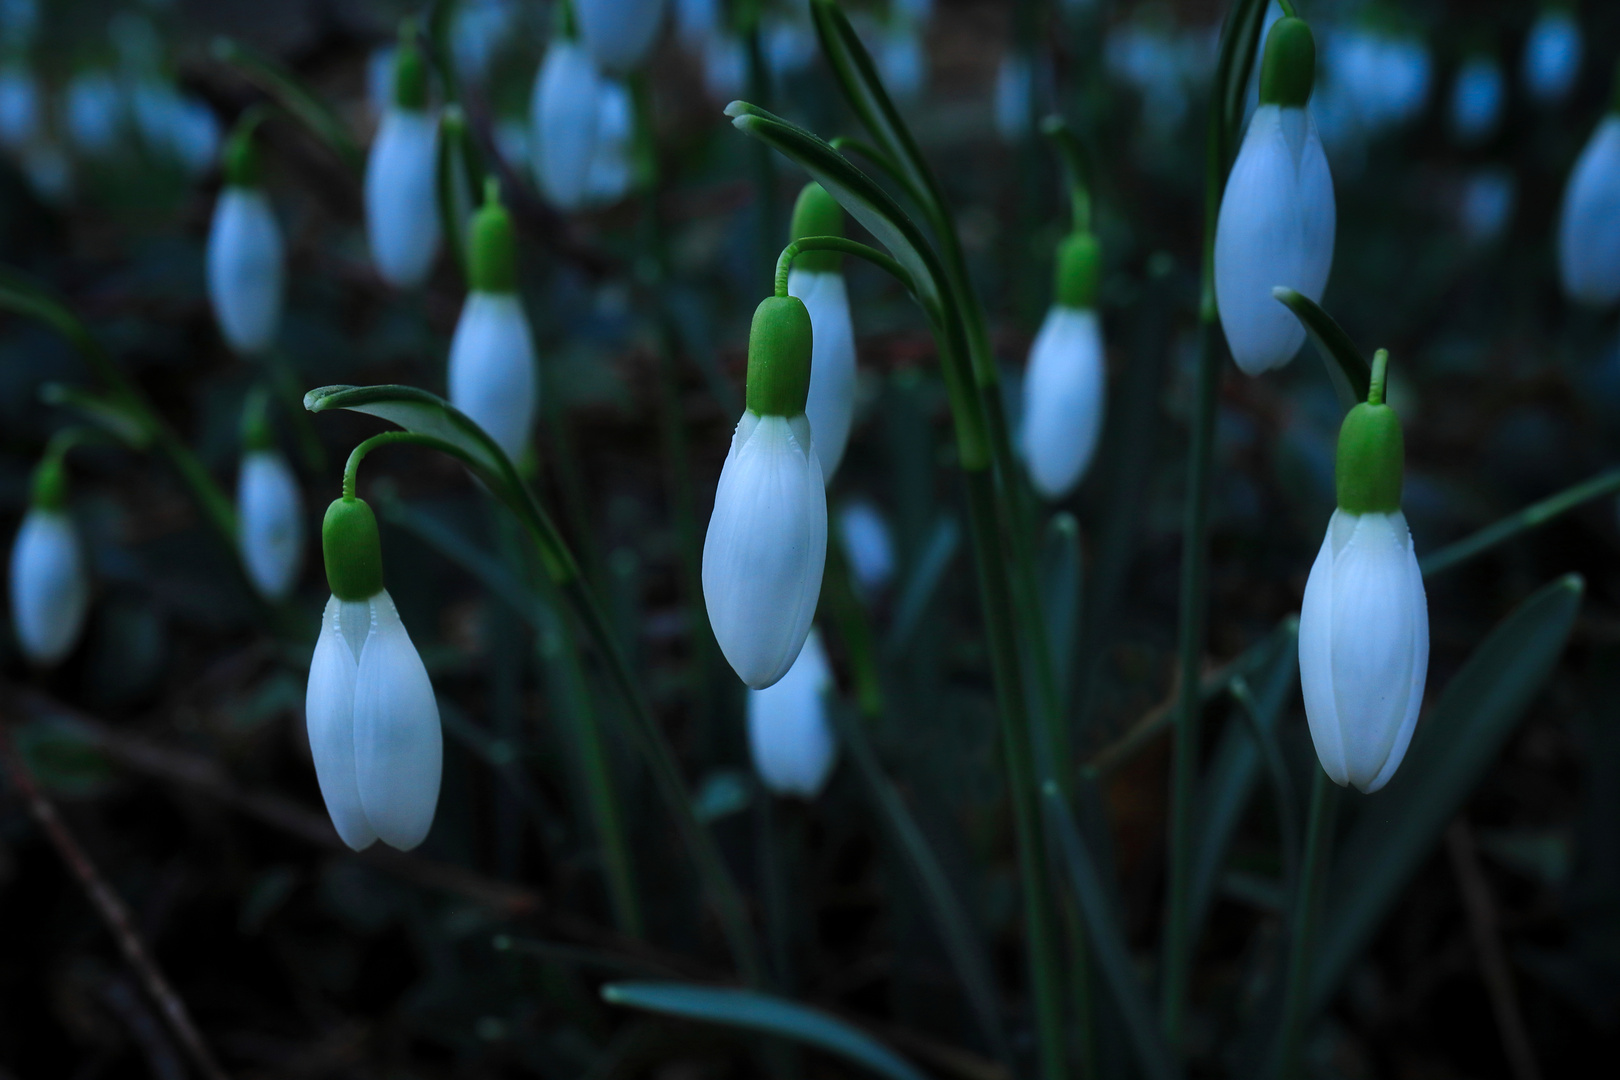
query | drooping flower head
(565,111)
(401,196)
(245,257)
(619,33)
(50,584)
(1065,383)
(1552,54)
(1364,625)
(1276,221)
(789,733)
(373,721)
(817,278)
(1589,222)
(766,545)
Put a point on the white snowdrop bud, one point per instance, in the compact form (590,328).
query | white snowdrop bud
(817,278)
(867,544)
(565,110)
(610,175)
(619,33)
(50,584)
(1065,385)
(270,520)
(1476,99)
(245,259)
(1276,221)
(401,195)
(19,107)
(1015,89)
(492,366)
(1552,55)
(1589,224)
(789,734)
(1364,625)
(95,113)
(373,721)
(766,546)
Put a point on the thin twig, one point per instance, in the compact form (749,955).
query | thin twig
(1493,965)
(110,907)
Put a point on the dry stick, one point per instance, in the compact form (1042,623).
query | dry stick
(1482,926)
(110,908)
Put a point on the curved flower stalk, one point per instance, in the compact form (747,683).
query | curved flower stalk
(1065,387)
(373,722)
(565,112)
(1552,54)
(619,33)
(492,366)
(1589,223)
(1477,98)
(269,509)
(868,545)
(766,545)
(1364,624)
(50,584)
(1276,220)
(817,278)
(401,193)
(245,257)
(789,733)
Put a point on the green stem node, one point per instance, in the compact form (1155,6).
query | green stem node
(779,357)
(1288,68)
(410,71)
(1079,266)
(352,549)
(492,248)
(1372,452)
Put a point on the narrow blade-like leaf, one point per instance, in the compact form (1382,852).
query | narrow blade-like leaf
(1061,583)
(753,1011)
(298,99)
(1454,746)
(1350,373)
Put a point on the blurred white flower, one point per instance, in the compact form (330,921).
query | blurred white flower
(1589,225)
(380,77)
(50,585)
(95,113)
(401,196)
(245,269)
(565,110)
(831,407)
(611,171)
(697,22)
(19,107)
(902,61)
(1064,397)
(270,517)
(1487,205)
(1552,55)
(1476,99)
(619,33)
(789,733)
(867,543)
(480,28)
(1375,80)
(49,171)
(1015,90)
(1364,647)
(789,45)
(725,67)
(492,369)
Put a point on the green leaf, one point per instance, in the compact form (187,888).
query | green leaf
(294,96)
(1106,941)
(1061,574)
(1240,40)
(922,582)
(753,1011)
(106,412)
(1454,747)
(1351,374)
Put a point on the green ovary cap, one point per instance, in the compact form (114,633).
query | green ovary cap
(1079,266)
(817,213)
(1372,456)
(779,357)
(50,484)
(352,550)
(1289,66)
(410,72)
(492,249)
(243,167)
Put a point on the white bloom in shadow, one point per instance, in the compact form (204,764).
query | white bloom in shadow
(245,269)
(50,587)
(402,207)
(270,513)
(565,110)
(788,730)
(1064,397)
(831,407)
(492,369)
(1589,226)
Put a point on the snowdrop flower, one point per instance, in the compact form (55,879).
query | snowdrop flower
(492,369)
(373,721)
(817,278)
(1552,55)
(1382,79)
(1276,220)
(619,33)
(1014,97)
(698,21)
(565,110)
(1364,625)
(767,541)
(1064,387)
(611,172)
(19,107)
(901,60)
(180,128)
(868,545)
(402,202)
(269,510)
(1476,99)
(789,45)
(1589,223)
(95,113)
(50,585)
(245,259)
(788,731)
(725,66)
(477,33)
(1487,204)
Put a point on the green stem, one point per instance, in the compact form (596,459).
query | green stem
(1307,912)
(1282,785)
(1438,562)
(784,262)
(885,165)
(1074,162)
(1288,8)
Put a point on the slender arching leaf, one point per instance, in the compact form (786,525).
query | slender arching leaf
(1239,41)
(1454,746)
(753,1011)
(294,96)
(1350,372)
(1061,583)
(1107,943)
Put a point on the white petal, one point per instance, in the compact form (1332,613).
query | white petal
(402,203)
(245,269)
(867,543)
(398,746)
(1275,228)
(1015,86)
(619,32)
(831,407)
(1589,228)
(19,107)
(271,512)
(788,731)
(766,547)
(1316,663)
(50,588)
(329,717)
(609,177)
(1420,667)
(565,112)
(1552,55)
(1476,99)
(492,370)
(1064,395)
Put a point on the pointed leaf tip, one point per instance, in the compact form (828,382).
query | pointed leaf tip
(737,108)
(316,399)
